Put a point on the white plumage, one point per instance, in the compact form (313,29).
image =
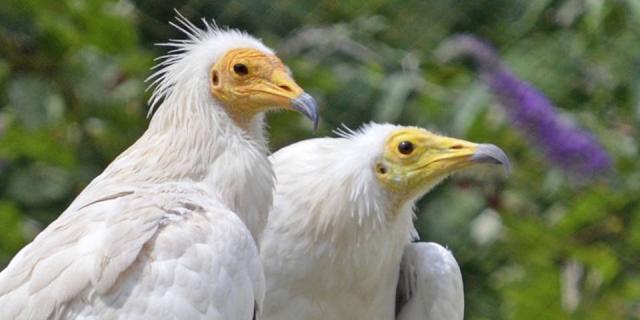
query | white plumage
(167,230)
(342,221)
(430,284)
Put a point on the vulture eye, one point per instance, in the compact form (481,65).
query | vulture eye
(405,147)
(240,69)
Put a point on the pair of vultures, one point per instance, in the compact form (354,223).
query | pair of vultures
(197,221)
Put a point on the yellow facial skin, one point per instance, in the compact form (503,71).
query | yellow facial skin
(248,81)
(414,160)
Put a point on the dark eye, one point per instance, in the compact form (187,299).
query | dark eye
(405,147)
(240,69)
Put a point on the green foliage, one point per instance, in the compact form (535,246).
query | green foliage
(537,245)
(11,239)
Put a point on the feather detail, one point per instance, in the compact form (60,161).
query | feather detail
(335,238)
(168,229)
(192,56)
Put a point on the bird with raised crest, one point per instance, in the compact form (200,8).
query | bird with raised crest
(168,230)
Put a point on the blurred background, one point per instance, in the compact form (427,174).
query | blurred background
(558,239)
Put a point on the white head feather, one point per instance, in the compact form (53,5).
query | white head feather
(191,137)
(181,79)
(348,162)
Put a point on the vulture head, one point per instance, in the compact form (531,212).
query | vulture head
(414,160)
(217,67)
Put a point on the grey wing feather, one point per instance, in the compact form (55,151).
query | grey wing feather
(429,285)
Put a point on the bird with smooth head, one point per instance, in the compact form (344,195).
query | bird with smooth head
(343,219)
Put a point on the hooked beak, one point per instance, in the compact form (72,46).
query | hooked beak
(489,153)
(455,154)
(307,105)
(410,169)
(284,91)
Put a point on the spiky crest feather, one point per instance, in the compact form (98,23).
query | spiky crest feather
(192,58)
(190,135)
(193,165)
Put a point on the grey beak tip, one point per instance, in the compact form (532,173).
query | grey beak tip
(488,153)
(308,106)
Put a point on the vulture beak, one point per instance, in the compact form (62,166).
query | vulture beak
(283,88)
(454,154)
(251,81)
(489,153)
(416,160)
(307,105)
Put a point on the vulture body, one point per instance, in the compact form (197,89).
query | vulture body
(337,243)
(168,230)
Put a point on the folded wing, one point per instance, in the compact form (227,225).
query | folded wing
(430,284)
(132,254)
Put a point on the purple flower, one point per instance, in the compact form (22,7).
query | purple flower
(563,144)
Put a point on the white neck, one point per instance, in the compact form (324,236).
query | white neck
(198,142)
(343,205)
(192,138)
(350,243)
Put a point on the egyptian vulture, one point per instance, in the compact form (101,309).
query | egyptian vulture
(337,243)
(167,230)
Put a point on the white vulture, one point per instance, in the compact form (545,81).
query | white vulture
(337,243)
(167,230)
